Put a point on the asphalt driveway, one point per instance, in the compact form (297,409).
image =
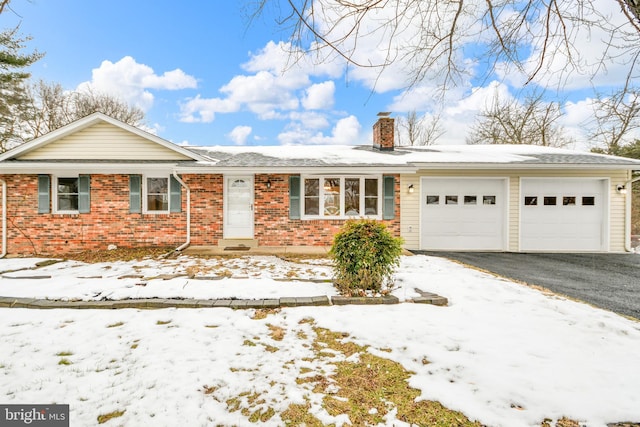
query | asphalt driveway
(609,281)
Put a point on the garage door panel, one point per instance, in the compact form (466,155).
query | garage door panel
(576,222)
(468,223)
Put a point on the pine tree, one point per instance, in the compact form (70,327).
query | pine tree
(14,100)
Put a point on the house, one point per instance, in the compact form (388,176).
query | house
(99,182)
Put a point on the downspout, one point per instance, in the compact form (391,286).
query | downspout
(4,218)
(627,223)
(186,187)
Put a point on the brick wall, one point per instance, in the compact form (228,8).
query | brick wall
(110,221)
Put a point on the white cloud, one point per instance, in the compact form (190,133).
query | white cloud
(345,132)
(130,80)
(319,96)
(239,134)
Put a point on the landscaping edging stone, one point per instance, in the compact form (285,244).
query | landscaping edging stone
(388,299)
(158,303)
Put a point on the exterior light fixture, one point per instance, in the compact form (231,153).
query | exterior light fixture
(411,188)
(268,183)
(621,189)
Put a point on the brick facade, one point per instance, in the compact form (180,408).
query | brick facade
(110,222)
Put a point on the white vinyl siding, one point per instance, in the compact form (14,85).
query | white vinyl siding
(410,202)
(103,141)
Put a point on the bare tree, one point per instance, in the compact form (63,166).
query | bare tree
(429,35)
(53,107)
(423,130)
(532,122)
(616,118)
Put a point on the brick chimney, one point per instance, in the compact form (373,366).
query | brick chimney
(383,132)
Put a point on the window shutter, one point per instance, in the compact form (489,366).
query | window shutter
(389,197)
(294,197)
(135,193)
(84,194)
(175,195)
(44,194)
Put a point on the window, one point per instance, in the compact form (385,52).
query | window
(470,200)
(67,194)
(450,200)
(341,196)
(488,200)
(433,200)
(568,201)
(549,200)
(588,201)
(157,194)
(70,195)
(530,200)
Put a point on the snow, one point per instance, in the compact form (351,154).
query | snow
(349,154)
(502,353)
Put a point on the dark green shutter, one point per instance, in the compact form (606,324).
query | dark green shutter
(389,197)
(44,193)
(175,195)
(135,193)
(84,194)
(294,197)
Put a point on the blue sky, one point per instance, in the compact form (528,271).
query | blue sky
(205,75)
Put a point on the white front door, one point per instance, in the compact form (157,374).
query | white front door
(463,213)
(238,207)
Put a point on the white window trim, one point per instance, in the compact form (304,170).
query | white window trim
(145,209)
(342,215)
(54,194)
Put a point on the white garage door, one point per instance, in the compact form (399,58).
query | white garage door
(563,214)
(463,213)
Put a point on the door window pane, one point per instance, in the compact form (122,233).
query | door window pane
(550,201)
(433,200)
(451,200)
(488,200)
(568,201)
(588,201)
(530,200)
(470,200)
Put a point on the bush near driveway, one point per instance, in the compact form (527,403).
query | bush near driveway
(365,256)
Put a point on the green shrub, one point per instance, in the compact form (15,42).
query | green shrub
(365,255)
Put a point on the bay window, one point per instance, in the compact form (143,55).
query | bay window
(341,196)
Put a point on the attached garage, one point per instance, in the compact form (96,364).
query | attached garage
(564,214)
(463,213)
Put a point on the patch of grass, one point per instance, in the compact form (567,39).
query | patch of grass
(276,332)
(65,361)
(211,326)
(367,389)
(262,313)
(64,353)
(270,348)
(163,322)
(115,325)
(249,343)
(106,417)
(298,415)
(120,254)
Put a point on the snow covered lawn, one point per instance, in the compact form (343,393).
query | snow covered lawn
(501,353)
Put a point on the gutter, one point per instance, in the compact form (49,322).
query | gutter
(186,187)
(627,222)
(4,218)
